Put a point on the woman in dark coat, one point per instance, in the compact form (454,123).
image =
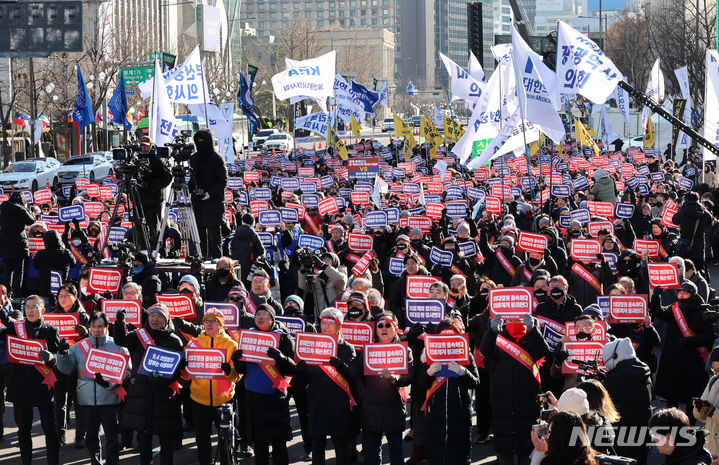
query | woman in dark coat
(513,387)
(329,407)
(151,406)
(54,257)
(449,408)
(14,216)
(681,374)
(413,266)
(383,402)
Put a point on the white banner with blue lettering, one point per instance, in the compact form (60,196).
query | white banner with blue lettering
(313,78)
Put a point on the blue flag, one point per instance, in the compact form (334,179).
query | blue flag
(82,113)
(118,105)
(411,89)
(384,95)
(244,98)
(368,98)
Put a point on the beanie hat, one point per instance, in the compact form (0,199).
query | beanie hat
(403,237)
(575,224)
(617,351)
(574,400)
(358,298)
(509,239)
(600,173)
(141,257)
(266,308)
(416,231)
(593,310)
(463,228)
(688,286)
(544,221)
(296,299)
(237,290)
(191,280)
(160,309)
(214,313)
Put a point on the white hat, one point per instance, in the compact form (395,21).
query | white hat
(574,400)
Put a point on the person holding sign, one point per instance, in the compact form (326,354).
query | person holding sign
(413,266)
(151,408)
(329,396)
(266,385)
(502,261)
(681,374)
(97,397)
(449,403)
(14,250)
(31,386)
(667,240)
(383,401)
(511,349)
(587,280)
(54,257)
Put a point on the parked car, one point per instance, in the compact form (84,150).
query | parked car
(388,125)
(259,139)
(416,121)
(94,166)
(280,142)
(33,174)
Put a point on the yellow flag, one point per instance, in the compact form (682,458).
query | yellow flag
(452,130)
(533,148)
(583,137)
(356,128)
(425,128)
(403,130)
(649,134)
(335,141)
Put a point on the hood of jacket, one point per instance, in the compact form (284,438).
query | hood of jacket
(52,240)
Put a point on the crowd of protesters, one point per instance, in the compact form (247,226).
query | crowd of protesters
(466,231)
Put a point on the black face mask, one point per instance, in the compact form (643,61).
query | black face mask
(624,266)
(203,146)
(534,261)
(222,272)
(556,293)
(540,294)
(574,233)
(401,246)
(484,293)
(186,291)
(416,242)
(583,336)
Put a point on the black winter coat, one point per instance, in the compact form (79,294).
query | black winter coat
(691,455)
(245,248)
(399,293)
(585,293)
(150,406)
(54,257)
(630,386)
(154,179)
(513,391)
(328,407)
(13,239)
(149,279)
(209,173)
(681,373)
(25,385)
(215,291)
(497,272)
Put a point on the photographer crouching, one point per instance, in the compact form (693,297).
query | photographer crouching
(207,184)
(153,182)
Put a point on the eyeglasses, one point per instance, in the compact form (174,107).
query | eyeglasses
(235,299)
(384,325)
(211,320)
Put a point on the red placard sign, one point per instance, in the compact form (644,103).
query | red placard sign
(434,210)
(315,348)
(648,245)
(627,308)
(600,330)
(251,176)
(605,209)
(64,322)
(24,351)
(301,209)
(42,196)
(254,345)
(180,305)
(587,351)
(359,198)
(493,205)
(378,357)
(256,206)
(421,222)
(664,275)
(445,348)
(35,244)
(510,302)
(357,333)
(360,242)
(205,363)
(595,226)
(585,249)
(418,286)
(111,365)
(133,310)
(93,209)
(328,206)
(105,279)
(531,242)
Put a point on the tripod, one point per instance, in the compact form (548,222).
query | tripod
(128,185)
(180,196)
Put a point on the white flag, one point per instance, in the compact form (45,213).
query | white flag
(711,102)
(384,95)
(512,137)
(437,118)
(582,67)
(475,69)
(162,126)
(463,85)
(655,91)
(484,117)
(347,105)
(503,54)
(221,128)
(682,75)
(38,131)
(185,83)
(539,90)
(608,134)
(314,122)
(621,97)
(313,78)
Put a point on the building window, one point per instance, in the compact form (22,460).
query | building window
(308,14)
(374,21)
(385,20)
(319,14)
(332,4)
(308,5)
(341,14)
(363,22)
(363,12)
(320,23)
(352,22)
(260,6)
(261,24)
(505,10)
(273,6)
(273,15)
(352,13)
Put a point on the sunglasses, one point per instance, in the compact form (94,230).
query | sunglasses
(384,325)
(235,299)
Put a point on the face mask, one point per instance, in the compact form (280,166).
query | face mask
(534,261)
(416,242)
(186,291)
(484,293)
(76,242)
(137,269)
(453,293)
(222,272)
(540,294)
(516,329)
(505,248)
(583,336)
(203,146)
(93,233)
(37,234)
(556,293)
(401,246)
(574,233)
(83,289)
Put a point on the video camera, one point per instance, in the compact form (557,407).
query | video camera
(182,147)
(710,314)
(307,260)
(128,159)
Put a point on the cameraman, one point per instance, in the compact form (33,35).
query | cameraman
(207,184)
(153,180)
(329,282)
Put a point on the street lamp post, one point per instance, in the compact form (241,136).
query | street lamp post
(33,114)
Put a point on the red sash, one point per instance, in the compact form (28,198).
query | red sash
(339,380)
(686,330)
(439,381)
(85,346)
(312,226)
(77,254)
(587,276)
(505,263)
(662,252)
(527,274)
(146,340)
(353,258)
(479,358)
(251,307)
(330,246)
(520,355)
(279,382)
(48,375)
(455,269)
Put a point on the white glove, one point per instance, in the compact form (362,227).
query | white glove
(457,368)
(434,368)
(206,196)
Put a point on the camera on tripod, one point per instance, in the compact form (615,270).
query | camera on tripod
(129,159)
(307,261)
(182,147)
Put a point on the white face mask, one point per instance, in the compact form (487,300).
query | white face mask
(76,242)
(83,289)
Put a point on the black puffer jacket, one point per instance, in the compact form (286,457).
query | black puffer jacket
(695,454)
(13,239)
(151,405)
(629,384)
(245,248)
(209,173)
(513,391)
(149,279)
(154,180)
(54,257)
(215,291)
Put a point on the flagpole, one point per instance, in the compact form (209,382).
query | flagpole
(204,87)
